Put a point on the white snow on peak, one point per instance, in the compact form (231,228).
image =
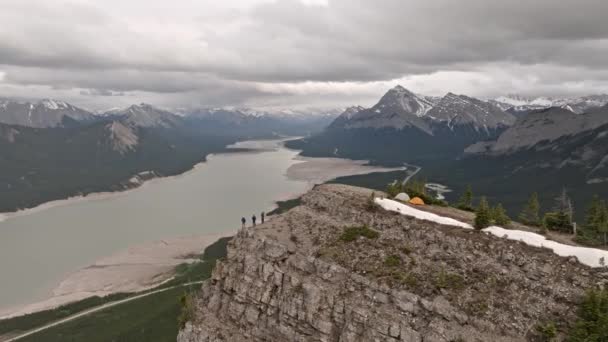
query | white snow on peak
(592,257)
(542,102)
(405,99)
(513,100)
(53,104)
(568,107)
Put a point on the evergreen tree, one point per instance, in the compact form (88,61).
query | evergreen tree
(563,205)
(394,188)
(601,221)
(482,215)
(592,212)
(530,214)
(561,217)
(466,200)
(415,187)
(499,215)
(592,323)
(370,203)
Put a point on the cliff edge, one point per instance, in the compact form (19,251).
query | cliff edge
(337,269)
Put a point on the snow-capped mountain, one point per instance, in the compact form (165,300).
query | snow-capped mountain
(261,122)
(404,126)
(350,111)
(404,101)
(519,104)
(306,114)
(398,108)
(346,116)
(43,113)
(513,100)
(145,115)
(455,110)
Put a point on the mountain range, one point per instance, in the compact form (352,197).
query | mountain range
(404,126)
(51,149)
(461,140)
(40,114)
(518,104)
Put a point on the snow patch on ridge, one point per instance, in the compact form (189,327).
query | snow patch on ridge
(419,214)
(588,256)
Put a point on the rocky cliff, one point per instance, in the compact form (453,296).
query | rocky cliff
(304,276)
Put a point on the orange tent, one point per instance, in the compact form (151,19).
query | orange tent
(417,201)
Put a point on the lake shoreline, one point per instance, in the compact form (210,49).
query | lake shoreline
(129,186)
(125,275)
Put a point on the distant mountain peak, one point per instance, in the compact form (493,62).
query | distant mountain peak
(400,108)
(354,109)
(146,115)
(40,114)
(456,110)
(399,88)
(53,104)
(578,105)
(404,102)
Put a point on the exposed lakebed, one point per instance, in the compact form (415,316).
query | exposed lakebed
(105,243)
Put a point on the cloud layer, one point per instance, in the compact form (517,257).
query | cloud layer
(298,52)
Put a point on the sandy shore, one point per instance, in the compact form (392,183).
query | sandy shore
(136,269)
(321,170)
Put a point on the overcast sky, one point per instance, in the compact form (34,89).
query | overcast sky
(297,53)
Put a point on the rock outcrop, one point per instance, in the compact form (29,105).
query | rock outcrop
(298,278)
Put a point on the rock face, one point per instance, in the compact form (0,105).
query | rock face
(455,110)
(548,125)
(145,115)
(398,108)
(296,278)
(122,138)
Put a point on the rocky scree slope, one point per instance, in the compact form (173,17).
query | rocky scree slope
(295,279)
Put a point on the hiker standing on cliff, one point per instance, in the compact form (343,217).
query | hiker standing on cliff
(243,221)
(263,215)
(253,219)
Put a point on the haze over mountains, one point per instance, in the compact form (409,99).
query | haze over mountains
(565,134)
(51,149)
(521,104)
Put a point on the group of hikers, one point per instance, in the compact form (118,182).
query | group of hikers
(253,219)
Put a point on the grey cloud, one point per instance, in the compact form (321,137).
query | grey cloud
(104,49)
(100,92)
